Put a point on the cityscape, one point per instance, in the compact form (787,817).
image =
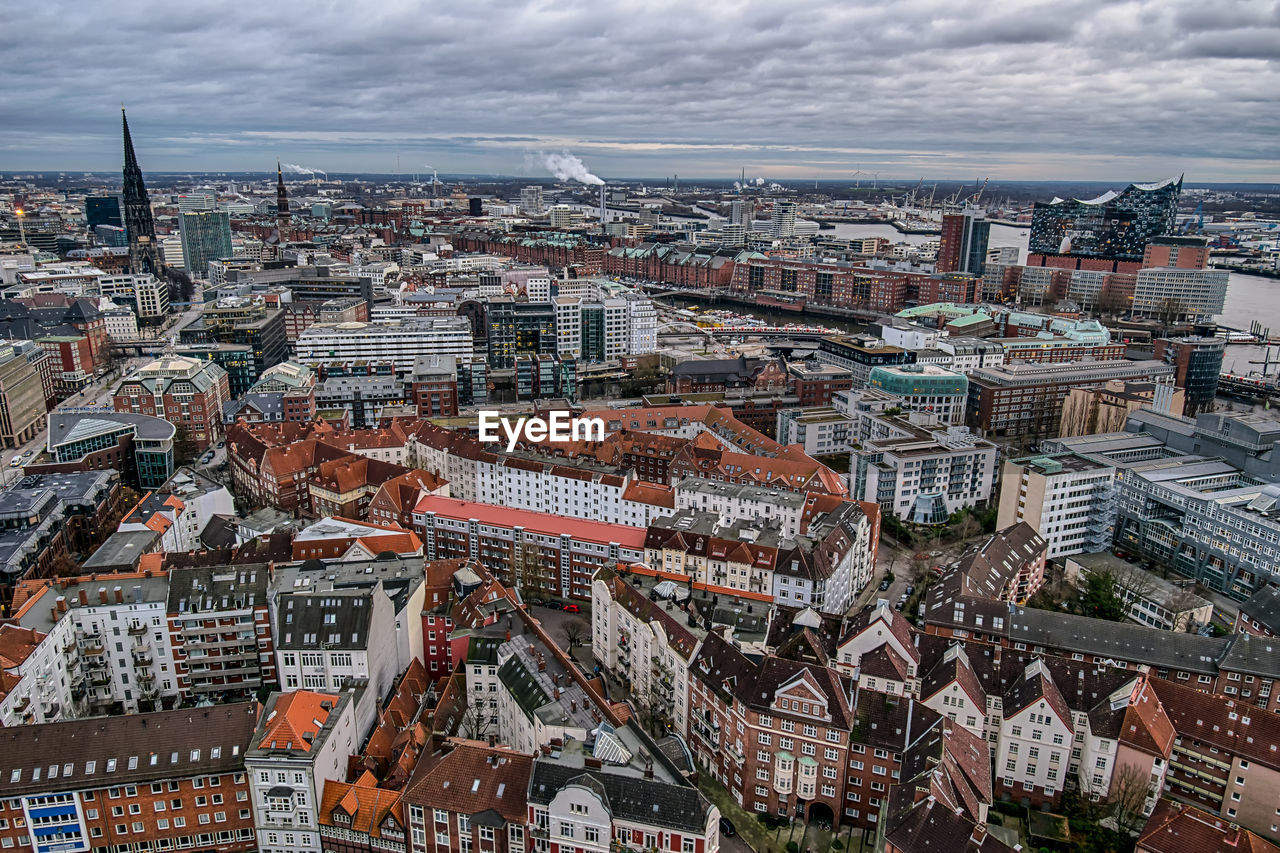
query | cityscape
(595,493)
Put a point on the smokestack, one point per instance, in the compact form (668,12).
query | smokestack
(602,210)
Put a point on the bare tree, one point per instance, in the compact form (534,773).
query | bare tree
(476,722)
(968,526)
(920,563)
(1130,790)
(574,630)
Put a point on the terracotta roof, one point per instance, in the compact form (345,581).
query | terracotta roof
(296,716)
(17,644)
(1178,828)
(471,778)
(536,522)
(367,807)
(1236,728)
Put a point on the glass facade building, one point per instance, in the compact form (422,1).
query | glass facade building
(1114,225)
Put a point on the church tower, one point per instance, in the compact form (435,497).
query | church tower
(144,253)
(282,207)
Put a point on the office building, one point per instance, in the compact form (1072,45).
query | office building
(22,397)
(531,201)
(963,247)
(924,388)
(1197,364)
(1182,251)
(1067,498)
(140,447)
(859,355)
(784,219)
(1248,440)
(146,294)
(1016,400)
(187,392)
(1176,294)
(400,342)
(206,236)
(921,471)
(102,210)
(519,328)
(242,322)
(1114,226)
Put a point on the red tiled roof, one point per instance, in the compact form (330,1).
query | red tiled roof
(17,644)
(536,522)
(471,778)
(295,716)
(1180,828)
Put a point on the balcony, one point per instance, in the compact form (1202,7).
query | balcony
(137,629)
(145,677)
(22,704)
(91,644)
(100,679)
(142,657)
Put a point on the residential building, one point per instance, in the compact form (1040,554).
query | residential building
(170,780)
(303,738)
(963,247)
(470,796)
(919,470)
(220,629)
(180,509)
(1175,826)
(146,294)
(819,431)
(1106,409)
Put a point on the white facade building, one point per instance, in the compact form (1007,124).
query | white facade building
(148,295)
(1068,499)
(401,342)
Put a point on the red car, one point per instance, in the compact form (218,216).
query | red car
(572,608)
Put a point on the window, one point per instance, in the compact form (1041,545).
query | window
(590,834)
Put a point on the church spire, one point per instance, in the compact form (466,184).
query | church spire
(282,205)
(139,225)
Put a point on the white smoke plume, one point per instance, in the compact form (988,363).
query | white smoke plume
(759,182)
(295,169)
(566,167)
(737,187)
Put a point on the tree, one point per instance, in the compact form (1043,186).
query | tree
(920,563)
(1101,598)
(1130,790)
(968,526)
(476,722)
(574,630)
(1170,311)
(180,285)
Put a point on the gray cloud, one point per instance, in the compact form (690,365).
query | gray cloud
(947,88)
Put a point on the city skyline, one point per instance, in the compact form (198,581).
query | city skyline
(1077,91)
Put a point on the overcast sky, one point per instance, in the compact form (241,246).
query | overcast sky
(1065,90)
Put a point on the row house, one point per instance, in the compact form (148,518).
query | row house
(166,780)
(469,795)
(345,486)
(220,629)
(643,645)
(395,499)
(823,568)
(538,553)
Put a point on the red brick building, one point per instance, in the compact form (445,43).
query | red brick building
(170,780)
(187,392)
(463,782)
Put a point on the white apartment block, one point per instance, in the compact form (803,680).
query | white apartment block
(1036,736)
(1068,499)
(324,638)
(922,472)
(286,777)
(735,501)
(121,324)
(820,431)
(636,639)
(400,342)
(46,677)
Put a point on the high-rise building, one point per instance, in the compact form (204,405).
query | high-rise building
(784,219)
(144,255)
(1197,362)
(737,213)
(102,210)
(531,201)
(206,236)
(1114,225)
(964,243)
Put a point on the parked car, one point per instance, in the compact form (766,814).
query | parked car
(899,604)
(884,584)
(726,828)
(571,608)
(911,588)
(553,605)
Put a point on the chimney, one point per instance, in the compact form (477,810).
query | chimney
(102,595)
(53,612)
(62,604)
(555,693)
(573,705)
(979,833)
(493,739)
(542,663)
(648,768)
(84,596)
(119,595)
(593,763)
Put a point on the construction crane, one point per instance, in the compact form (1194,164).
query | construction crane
(1195,224)
(973,199)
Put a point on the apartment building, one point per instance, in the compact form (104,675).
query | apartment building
(919,470)
(400,341)
(167,780)
(541,554)
(1067,498)
(187,392)
(220,630)
(303,738)
(146,294)
(469,796)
